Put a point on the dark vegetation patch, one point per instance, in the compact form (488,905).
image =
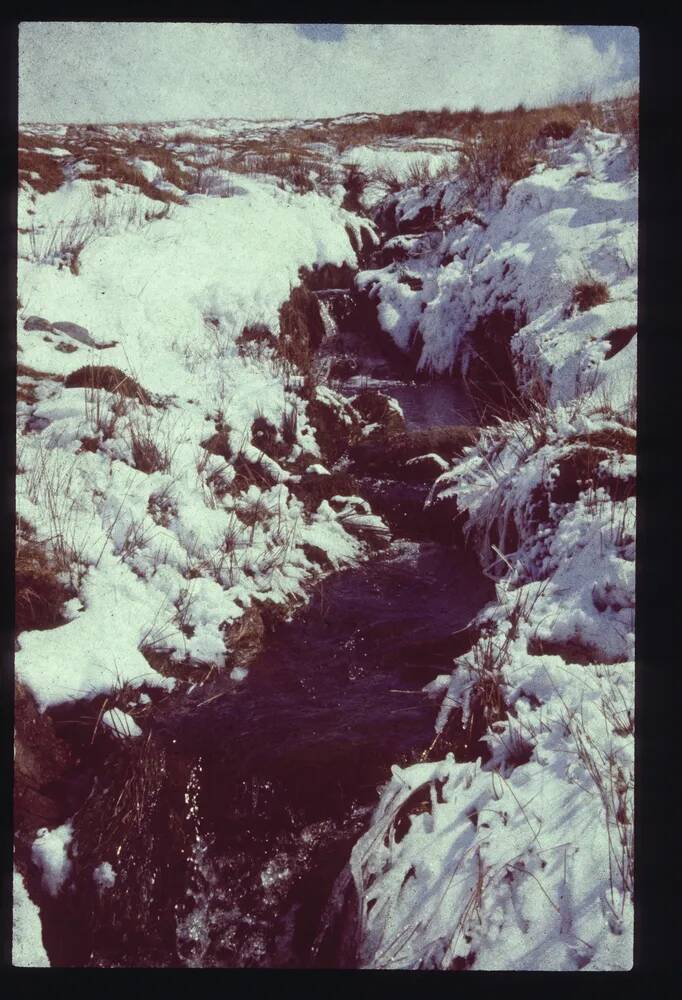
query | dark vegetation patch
(264,435)
(49,169)
(139,821)
(570,650)
(586,295)
(248,473)
(40,592)
(376,407)
(354,182)
(41,759)
(219,442)
(617,439)
(619,339)
(323,276)
(556,129)
(26,393)
(255,340)
(301,327)
(333,433)
(244,637)
(412,281)
(316,555)
(148,457)
(109,378)
(492,367)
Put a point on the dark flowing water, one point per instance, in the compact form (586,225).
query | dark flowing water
(290,759)
(424,404)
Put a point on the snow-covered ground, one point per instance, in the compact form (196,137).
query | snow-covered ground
(161,550)
(525,860)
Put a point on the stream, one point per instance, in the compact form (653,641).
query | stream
(285,766)
(288,762)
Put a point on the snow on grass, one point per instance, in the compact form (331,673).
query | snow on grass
(523,858)
(28,950)
(572,218)
(163,544)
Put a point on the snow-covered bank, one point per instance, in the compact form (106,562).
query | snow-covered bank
(572,222)
(516,852)
(139,492)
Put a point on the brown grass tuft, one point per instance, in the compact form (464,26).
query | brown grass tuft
(109,378)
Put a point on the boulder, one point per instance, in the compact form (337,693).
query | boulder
(312,487)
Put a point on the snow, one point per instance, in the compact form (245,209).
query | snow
(551,233)
(399,160)
(121,724)
(28,950)
(523,858)
(50,852)
(104,876)
(163,560)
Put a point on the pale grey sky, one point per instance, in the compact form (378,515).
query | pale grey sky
(134,71)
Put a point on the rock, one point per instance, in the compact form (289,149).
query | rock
(66,348)
(444,520)
(37,323)
(77,332)
(343,368)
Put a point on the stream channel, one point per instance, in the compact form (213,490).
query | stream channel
(286,765)
(289,762)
